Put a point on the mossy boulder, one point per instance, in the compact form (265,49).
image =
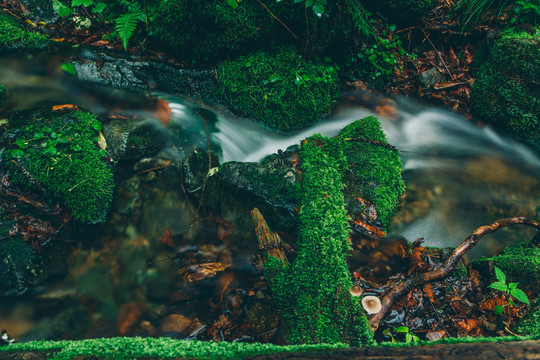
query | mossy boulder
(530,324)
(58,156)
(520,263)
(13,35)
(507,89)
(206,30)
(282,90)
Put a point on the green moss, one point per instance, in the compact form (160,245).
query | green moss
(520,263)
(281,90)
(13,35)
(156,348)
(313,292)
(373,169)
(3,95)
(204,30)
(59,154)
(530,324)
(507,89)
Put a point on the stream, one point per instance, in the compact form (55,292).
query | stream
(121,280)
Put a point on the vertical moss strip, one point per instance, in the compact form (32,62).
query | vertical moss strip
(314,291)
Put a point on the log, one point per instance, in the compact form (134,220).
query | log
(270,243)
(528,349)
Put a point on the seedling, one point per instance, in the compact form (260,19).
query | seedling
(409,336)
(510,289)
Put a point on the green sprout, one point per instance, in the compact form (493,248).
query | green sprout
(409,336)
(510,289)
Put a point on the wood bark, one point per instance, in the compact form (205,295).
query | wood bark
(529,349)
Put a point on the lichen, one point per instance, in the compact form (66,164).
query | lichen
(13,35)
(58,154)
(281,90)
(507,91)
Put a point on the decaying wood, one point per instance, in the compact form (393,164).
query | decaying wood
(448,266)
(269,242)
(466,351)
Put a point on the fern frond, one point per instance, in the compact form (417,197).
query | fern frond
(126,25)
(360,19)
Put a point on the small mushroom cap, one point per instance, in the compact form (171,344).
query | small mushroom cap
(355,290)
(371,304)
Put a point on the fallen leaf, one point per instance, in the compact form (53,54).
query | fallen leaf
(64,107)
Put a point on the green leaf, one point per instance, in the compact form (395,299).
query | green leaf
(50,151)
(61,9)
(68,67)
(512,286)
(98,9)
(520,295)
(498,310)
(84,3)
(126,25)
(499,286)
(17,153)
(500,275)
(22,144)
(318,9)
(97,125)
(408,337)
(402,329)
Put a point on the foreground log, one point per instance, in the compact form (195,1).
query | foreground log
(528,349)
(447,267)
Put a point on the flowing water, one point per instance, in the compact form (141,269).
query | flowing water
(459,176)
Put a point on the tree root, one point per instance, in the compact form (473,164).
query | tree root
(448,266)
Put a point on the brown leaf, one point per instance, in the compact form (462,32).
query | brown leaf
(436,335)
(64,107)
(199,272)
(468,324)
(428,289)
(167,239)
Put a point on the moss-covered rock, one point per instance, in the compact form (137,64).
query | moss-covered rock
(281,90)
(520,263)
(13,35)
(530,324)
(206,30)
(57,154)
(313,292)
(507,89)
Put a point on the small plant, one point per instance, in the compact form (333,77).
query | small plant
(509,289)
(409,336)
(527,11)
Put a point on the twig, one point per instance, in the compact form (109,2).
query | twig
(281,22)
(448,266)
(438,54)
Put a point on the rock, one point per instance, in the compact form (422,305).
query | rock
(506,91)
(430,77)
(175,323)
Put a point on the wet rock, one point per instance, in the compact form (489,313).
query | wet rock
(175,324)
(264,319)
(430,77)
(134,139)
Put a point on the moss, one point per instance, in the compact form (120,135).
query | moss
(58,154)
(3,95)
(313,292)
(530,324)
(373,168)
(13,35)
(206,30)
(507,89)
(156,348)
(520,263)
(281,89)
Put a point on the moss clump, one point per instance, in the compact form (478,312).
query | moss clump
(281,90)
(206,30)
(530,324)
(58,154)
(313,292)
(507,89)
(373,167)
(520,263)
(13,35)
(156,348)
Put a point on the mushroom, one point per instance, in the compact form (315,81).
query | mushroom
(355,290)
(371,304)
